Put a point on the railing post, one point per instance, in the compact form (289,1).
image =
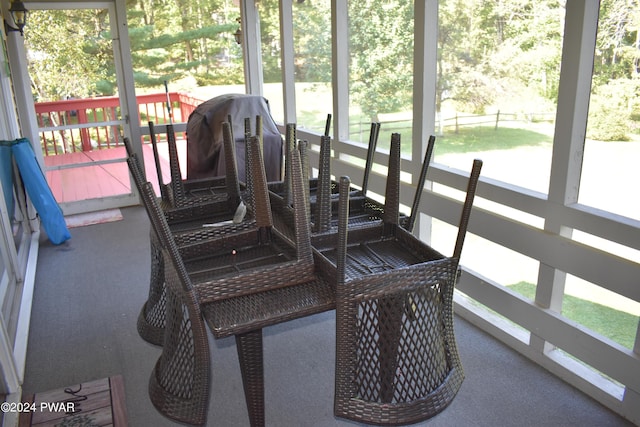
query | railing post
(85,138)
(497,119)
(184,113)
(114,129)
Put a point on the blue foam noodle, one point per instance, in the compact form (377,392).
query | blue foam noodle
(51,216)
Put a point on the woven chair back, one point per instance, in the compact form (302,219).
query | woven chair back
(396,356)
(179,391)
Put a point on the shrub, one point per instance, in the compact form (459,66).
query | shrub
(610,111)
(608,123)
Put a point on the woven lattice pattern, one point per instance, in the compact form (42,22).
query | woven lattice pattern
(323,194)
(421,365)
(186,224)
(179,384)
(241,283)
(178,194)
(397,361)
(396,356)
(178,370)
(152,317)
(237,315)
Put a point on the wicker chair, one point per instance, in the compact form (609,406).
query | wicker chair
(282,188)
(180,193)
(363,210)
(323,200)
(207,198)
(190,228)
(321,193)
(396,356)
(261,279)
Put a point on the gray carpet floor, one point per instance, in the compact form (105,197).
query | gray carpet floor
(89,292)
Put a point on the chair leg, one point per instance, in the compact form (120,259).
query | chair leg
(249,346)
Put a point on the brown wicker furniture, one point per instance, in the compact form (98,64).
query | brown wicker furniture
(396,356)
(322,192)
(363,210)
(189,225)
(261,279)
(184,193)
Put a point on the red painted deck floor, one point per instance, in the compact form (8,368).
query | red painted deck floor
(73,184)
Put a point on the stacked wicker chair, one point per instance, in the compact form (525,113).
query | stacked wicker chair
(189,225)
(327,193)
(396,357)
(255,279)
(179,193)
(363,210)
(323,191)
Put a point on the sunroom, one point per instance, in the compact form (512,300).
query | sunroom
(546,94)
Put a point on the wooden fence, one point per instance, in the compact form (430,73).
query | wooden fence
(402,121)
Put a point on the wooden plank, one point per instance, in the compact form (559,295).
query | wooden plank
(150,167)
(104,405)
(66,159)
(99,417)
(89,182)
(119,177)
(55,183)
(24,419)
(118,405)
(74,183)
(84,389)
(105,180)
(118,181)
(110,154)
(93,402)
(106,184)
(150,163)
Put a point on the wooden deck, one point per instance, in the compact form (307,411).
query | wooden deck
(74,184)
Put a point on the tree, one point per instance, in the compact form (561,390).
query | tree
(489,52)
(618,42)
(270,39)
(177,40)
(381,48)
(461,77)
(199,44)
(312,38)
(609,110)
(616,77)
(77,50)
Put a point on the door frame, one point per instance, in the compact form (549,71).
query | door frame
(126,92)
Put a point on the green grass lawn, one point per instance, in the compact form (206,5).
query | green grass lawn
(613,324)
(467,139)
(484,138)
(470,139)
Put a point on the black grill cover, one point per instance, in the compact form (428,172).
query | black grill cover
(205,151)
